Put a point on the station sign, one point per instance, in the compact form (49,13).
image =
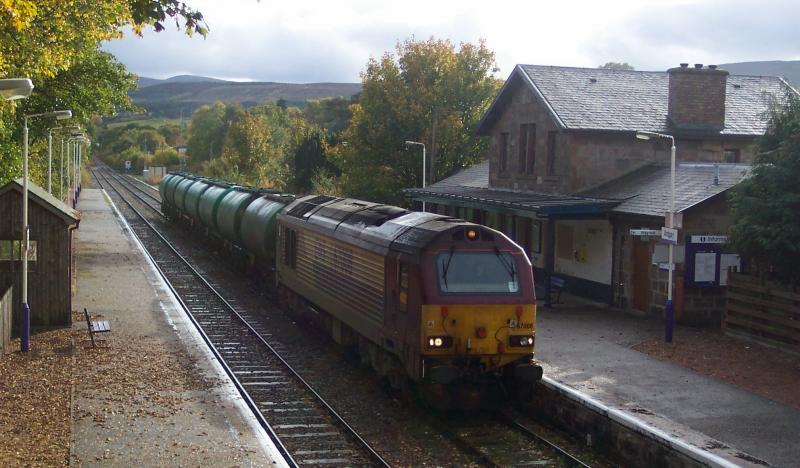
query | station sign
(666,266)
(709,239)
(645,232)
(669,235)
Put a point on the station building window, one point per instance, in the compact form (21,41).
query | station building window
(527,148)
(551,152)
(732,156)
(505,142)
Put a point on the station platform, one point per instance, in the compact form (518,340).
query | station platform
(589,349)
(154,395)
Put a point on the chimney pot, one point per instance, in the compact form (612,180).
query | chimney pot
(684,65)
(698,65)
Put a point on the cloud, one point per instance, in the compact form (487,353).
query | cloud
(710,32)
(332,41)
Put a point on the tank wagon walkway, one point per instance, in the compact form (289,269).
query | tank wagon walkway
(158,397)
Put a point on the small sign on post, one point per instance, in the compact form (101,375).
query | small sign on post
(645,232)
(669,235)
(127,165)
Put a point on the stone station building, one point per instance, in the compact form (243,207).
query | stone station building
(567,179)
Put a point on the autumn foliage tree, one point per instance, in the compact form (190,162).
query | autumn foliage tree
(56,43)
(429,91)
(766,205)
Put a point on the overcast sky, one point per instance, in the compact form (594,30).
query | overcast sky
(311,41)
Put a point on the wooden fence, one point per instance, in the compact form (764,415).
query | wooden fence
(5,320)
(764,311)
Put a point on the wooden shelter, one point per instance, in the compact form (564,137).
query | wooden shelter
(50,265)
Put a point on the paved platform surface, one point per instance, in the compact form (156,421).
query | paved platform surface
(589,349)
(144,409)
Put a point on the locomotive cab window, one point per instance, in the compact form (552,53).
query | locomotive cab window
(289,247)
(477,272)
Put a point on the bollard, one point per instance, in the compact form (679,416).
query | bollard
(25,329)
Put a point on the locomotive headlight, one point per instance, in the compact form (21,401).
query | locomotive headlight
(440,341)
(521,341)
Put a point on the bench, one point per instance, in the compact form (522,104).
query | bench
(556,285)
(98,326)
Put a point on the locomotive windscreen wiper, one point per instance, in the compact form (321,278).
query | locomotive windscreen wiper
(446,266)
(508,266)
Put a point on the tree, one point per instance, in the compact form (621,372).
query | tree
(253,151)
(617,66)
(308,158)
(331,114)
(766,205)
(428,92)
(56,44)
(208,128)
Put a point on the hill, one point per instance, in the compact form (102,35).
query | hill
(789,69)
(181,95)
(145,81)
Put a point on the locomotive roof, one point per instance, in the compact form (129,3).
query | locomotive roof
(373,226)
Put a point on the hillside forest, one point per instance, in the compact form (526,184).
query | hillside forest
(430,91)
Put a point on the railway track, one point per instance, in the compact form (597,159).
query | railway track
(501,439)
(305,428)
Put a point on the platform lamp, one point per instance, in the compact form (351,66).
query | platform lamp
(12,89)
(86,141)
(26,312)
(410,143)
(669,315)
(72,141)
(50,154)
(61,160)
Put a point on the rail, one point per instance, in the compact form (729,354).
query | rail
(241,372)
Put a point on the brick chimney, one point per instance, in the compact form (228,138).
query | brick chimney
(697,97)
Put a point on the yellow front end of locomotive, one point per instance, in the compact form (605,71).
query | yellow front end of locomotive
(497,334)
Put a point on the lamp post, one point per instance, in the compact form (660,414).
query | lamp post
(11,89)
(423,164)
(50,154)
(669,315)
(78,181)
(26,312)
(72,172)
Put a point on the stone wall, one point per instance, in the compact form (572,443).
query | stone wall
(586,159)
(697,306)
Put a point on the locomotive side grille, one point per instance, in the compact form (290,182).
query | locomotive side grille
(351,275)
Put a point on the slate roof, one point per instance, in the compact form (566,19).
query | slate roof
(622,100)
(39,195)
(646,191)
(471,185)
